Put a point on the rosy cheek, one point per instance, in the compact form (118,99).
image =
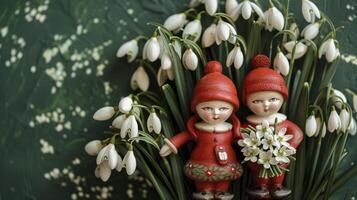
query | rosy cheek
(207,116)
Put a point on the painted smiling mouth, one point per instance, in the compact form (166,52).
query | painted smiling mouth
(215,118)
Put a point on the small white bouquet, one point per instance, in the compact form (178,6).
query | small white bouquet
(268,147)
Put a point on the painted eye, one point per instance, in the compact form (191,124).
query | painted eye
(257,101)
(207,108)
(273,99)
(223,109)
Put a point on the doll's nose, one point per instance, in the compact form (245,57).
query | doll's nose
(266,104)
(216,111)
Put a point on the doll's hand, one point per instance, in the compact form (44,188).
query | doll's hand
(165,150)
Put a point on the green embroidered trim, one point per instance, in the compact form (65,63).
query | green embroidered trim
(201,172)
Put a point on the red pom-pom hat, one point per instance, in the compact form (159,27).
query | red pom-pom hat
(214,86)
(263,78)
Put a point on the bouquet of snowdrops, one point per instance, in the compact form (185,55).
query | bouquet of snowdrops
(172,60)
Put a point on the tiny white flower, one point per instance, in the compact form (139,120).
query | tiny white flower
(338,98)
(129,127)
(163,75)
(345,120)
(311,31)
(250,154)
(281,154)
(282,138)
(129,162)
(281,63)
(269,142)
(125,104)
(92,148)
(108,153)
(103,171)
(118,121)
(355,102)
(190,60)
(246,8)
(209,36)
(300,49)
(130,49)
(328,48)
(311,126)
(352,129)
(235,56)
(104,113)
(152,49)
(275,18)
(334,122)
(166,61)
(250,140)
(211,6)
(140,80)
(175,22)
(263,129)
(192,30)
(266,159)
(310,11)
(154,123)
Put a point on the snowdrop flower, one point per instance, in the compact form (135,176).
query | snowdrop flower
(192,30)
(140,80)
(236,57)
(190,60)
(263,129)
(321,128)
(300,49)
(177,47)
(250,154)
(338,98)
(281,63)
(129,162)
(295,29)
(225,32)
(103,171)
(355,102)
(194,3)
(352,129)
(328,48)
(246,8)
(211,6)
(281,154)
(108,153)
(129,127)
(130,49)
(275,18)
(311,31)
(269,142)
(250,140)
(311,126)
(281,138)
(266,159)
(118,121)
(310,11)
(163,75)
(345,120)
(92,148)
(104,113)
(230,6)
(166,61)
(153,123)
(334,121)
(175,22)
(151,49)
(120,164)
(125,104)
(209,36)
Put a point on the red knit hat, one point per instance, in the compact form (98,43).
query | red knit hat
(214,86)
(263,78)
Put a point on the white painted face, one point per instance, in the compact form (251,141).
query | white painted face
(214,112)
(265,103)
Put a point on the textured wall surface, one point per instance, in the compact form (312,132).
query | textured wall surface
(58,65)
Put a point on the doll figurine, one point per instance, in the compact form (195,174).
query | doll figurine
(264,92)
(213,163)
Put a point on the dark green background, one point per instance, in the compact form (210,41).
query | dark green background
(92,29)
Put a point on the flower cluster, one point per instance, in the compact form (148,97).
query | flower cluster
(268,147)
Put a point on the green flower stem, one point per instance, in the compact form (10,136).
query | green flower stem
(344,178)
(225,60)
(173,104)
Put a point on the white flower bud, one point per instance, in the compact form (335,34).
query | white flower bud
(338,98)
(129,162)
(323,132)
(295,29)
(92,148)
(355,102)
(231,5)
(175,22)
(108,153)
(311,126)
(104,113)
(311,31)
(223,31)
(166,61)
(154,123)
(177,47)
(246,8)
(300,49)
(103,171)
(125,104)
(120,164)
(140,79)
(129,127)
(310,11)
(192,30)
(151,49)
(190,60)
(211,6)
(334,122)
(129,48)
(118,121)
(281,63)
(345,120)
(328,48)
(352,129)
(209,36)
(275,18)
(236,57)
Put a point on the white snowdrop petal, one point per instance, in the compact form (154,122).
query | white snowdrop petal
(125,104)
(104,113)
(130,162)
(142,79)
(355,102)
(276,18)
(230,57)
(230,6)
(194,29)
(352,129)
(311,31)
(175,21)
(211,6)
(311,126)
(223,30)
(282,63)
(104,171)
(134,131)
(120,164)
(153,49)
(322,49)
(190,60)
(246,10)
(112,157)
(208,37)
(166,61)
(92,148)
(257,9)
(118,121)
(334,122)
(345,120)
(101,155)
(238,59)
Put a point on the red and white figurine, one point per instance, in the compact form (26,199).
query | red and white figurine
(213,162)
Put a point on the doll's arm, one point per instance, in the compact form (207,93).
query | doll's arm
(174,143)
(294,130)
